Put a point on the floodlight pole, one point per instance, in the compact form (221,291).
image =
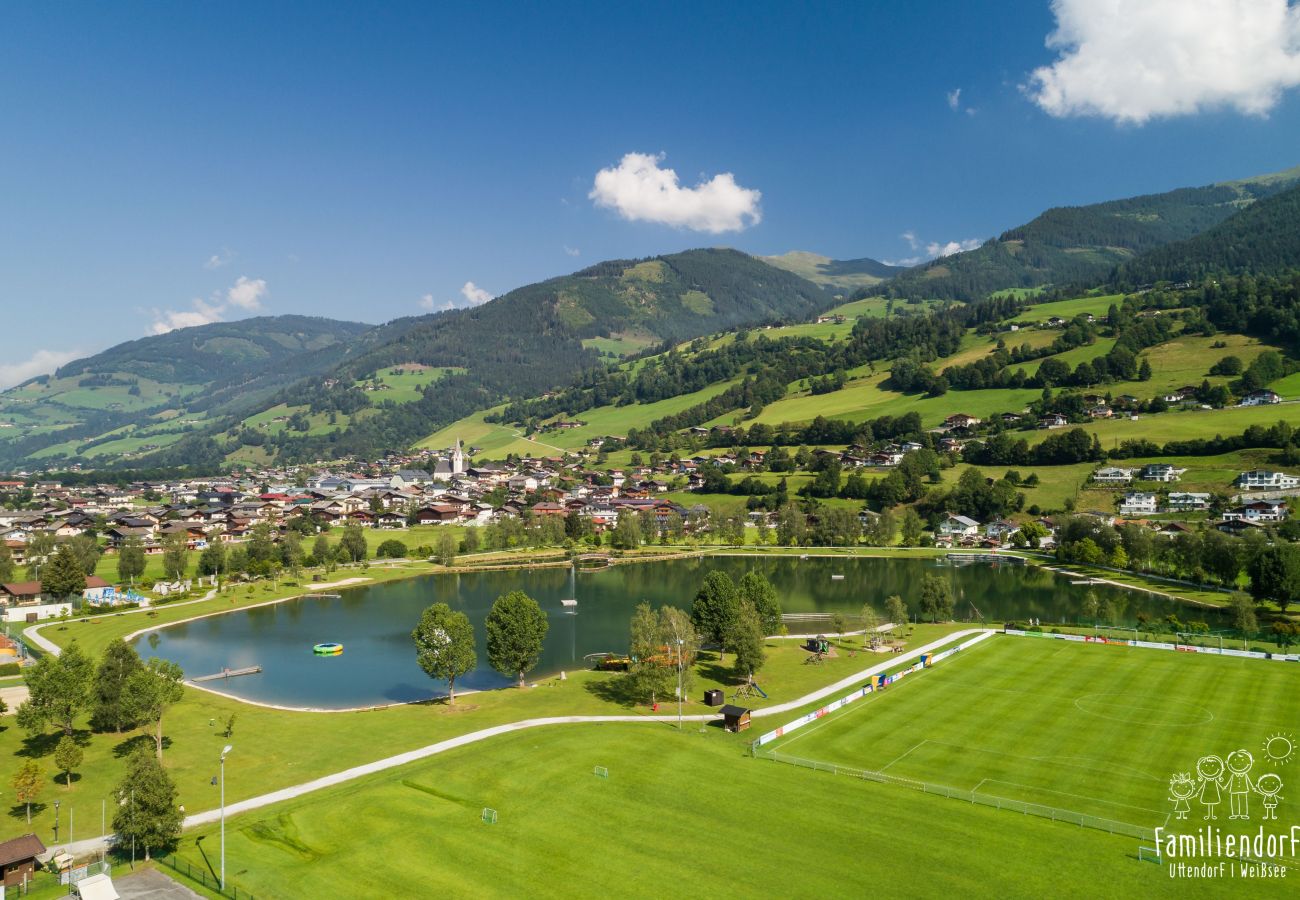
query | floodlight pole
(679,684)
(223,815)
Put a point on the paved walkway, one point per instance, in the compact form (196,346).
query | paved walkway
(95,845)
(151,884)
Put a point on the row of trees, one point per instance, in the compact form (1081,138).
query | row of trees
(516,629)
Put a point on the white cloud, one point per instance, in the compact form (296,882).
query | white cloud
(426,302)
(951,247)
(41,362)
(954,99)
(247,293)
(640,191)
(217,260)
(474,294)
(1133,60)
(932,249)
(572,251)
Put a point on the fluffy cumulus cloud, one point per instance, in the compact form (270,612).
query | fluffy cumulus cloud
(474,295)
(639,190)
(245,295)
(924,251)
(1134,60)
(470,295)
(42,362)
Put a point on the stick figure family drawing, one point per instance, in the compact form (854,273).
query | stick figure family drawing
(1216,777)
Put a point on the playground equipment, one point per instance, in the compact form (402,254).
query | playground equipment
(609,662)
(329,648)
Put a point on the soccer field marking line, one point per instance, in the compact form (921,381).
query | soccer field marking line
(903,755)
(840,713)
(1154,812)
(1102,765)
(1154,709)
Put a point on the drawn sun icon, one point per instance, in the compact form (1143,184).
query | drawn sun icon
(1280,748)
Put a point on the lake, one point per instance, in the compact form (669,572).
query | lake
(374,623)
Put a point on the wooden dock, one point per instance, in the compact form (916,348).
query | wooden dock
(227,673)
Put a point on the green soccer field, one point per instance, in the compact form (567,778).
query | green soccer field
(1092,729)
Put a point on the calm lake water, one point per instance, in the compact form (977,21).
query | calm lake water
(374,623)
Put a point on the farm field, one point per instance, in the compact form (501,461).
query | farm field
(403,384)
(1068,309)
(1181,425)
(1091,729)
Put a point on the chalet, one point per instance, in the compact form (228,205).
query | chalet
(1259,511)
(1162,472)
(833,319)
(1101,412)
(548,509)
(390,519)
(1260,398)
(954,525)
(961,421)
(1182,501)
(20,592)
(1010,418)
(1000,530)
(437,514)
(1112,475)
(1055,420)
(1237,527)
(1269,481)
(1139,503)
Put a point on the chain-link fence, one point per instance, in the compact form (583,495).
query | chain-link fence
(203,876)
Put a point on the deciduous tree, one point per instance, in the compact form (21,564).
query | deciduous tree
(108,705)
(516,629)
(149,692)
(444,645)
(58,690)
(147,815)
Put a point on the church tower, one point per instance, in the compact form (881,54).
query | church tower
(457,460)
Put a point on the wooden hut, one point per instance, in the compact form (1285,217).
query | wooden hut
(735,718)
(18,859)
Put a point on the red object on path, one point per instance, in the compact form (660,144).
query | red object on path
(655,707)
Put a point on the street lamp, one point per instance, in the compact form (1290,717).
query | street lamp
(226,750)
(56,821)
(679,684)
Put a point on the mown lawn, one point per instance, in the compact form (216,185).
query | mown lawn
(679,813)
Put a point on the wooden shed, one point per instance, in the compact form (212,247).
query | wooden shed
(735,718)
(18,859)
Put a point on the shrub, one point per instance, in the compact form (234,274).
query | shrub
(391,549)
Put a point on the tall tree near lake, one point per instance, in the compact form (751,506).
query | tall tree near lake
(446,548)
(444,645)
(27,784)
(149,692)
(320,550)
(6,563)
(130,560)
(896,609)
(58,690)
(714,611)
(758,592)
(1275,575)
(176,556)
(911,527)
(62,575)
(1242,609)
(516,629)
(747,642)
(353,544)
(68,756)
(936,597)
(212,561)
(660,642)
(147,815)
(118,664)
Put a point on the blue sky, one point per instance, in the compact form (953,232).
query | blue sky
(168,164)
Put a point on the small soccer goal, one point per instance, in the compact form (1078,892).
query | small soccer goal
(600,772)
(1149,854)
(489,816)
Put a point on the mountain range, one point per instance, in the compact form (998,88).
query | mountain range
(301,388)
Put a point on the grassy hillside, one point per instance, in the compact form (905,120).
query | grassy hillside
(1083,244)
(840,274)
(144,395)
